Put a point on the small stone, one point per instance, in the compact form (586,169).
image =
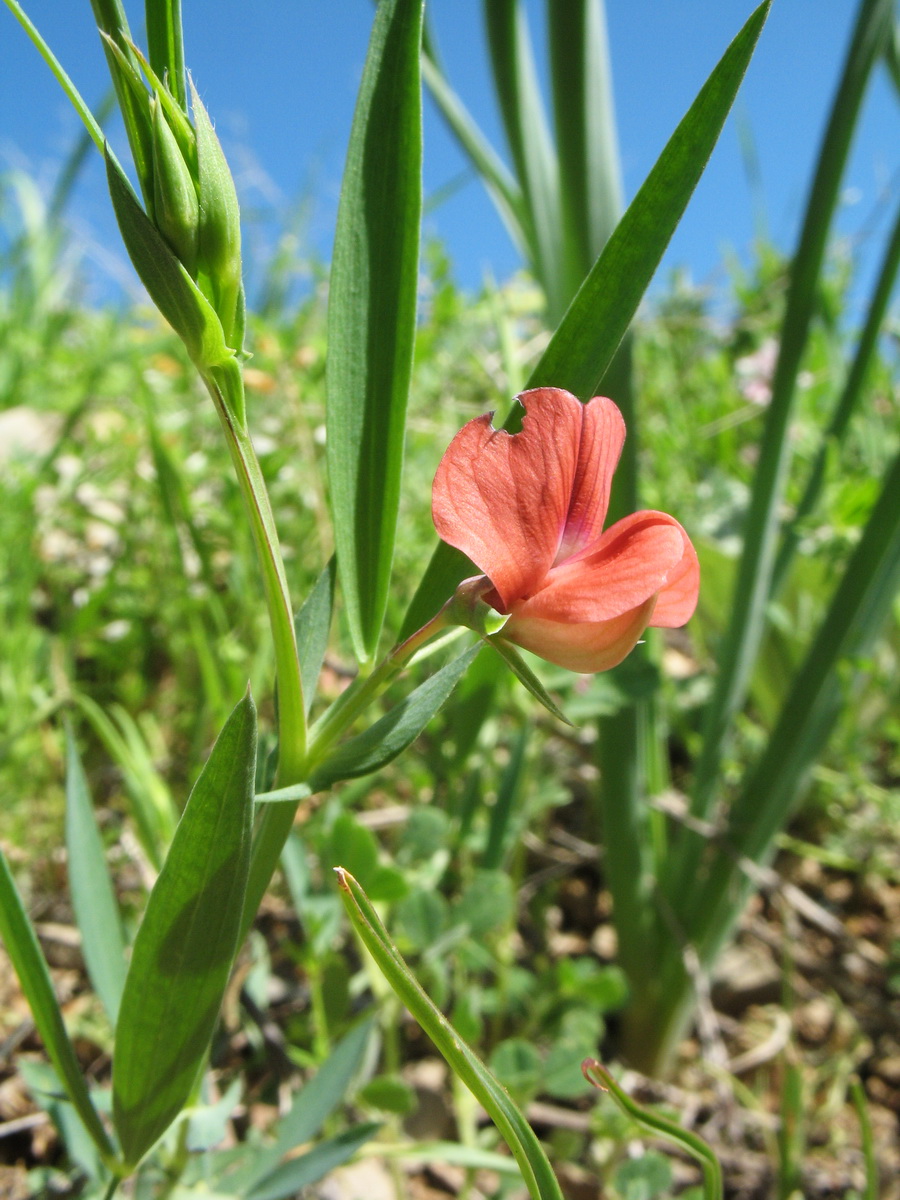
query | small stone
(814,1020)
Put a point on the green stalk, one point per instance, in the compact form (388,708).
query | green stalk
(512,1126)
(277,819)
(753,586)
(596,1074)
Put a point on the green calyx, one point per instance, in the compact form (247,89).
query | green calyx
(468,607)
(175,202)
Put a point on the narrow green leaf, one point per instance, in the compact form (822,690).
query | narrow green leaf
(501,186)
(383,741)
(526,676)
(185,944)
(165,42)
(582,347)
(502,809)
(822,686)
(519,93)
(847,403)
(372,315)
(171,288)
(43,1083)
(312,625)
(287,1180)
(312,1105)
(68,87)
(93,897)
(31,969)
(586,340)
(738,651)
(512,1126)
(584,119)
(290,794)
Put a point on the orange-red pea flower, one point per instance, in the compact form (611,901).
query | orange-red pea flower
(528,509)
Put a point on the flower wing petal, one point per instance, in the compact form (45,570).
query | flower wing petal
(676,601)
(602,438)
(629,564)
(503,499)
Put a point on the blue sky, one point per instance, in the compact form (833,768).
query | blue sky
(280,81)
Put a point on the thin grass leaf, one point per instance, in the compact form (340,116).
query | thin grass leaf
(312,625)
(512,1126)
(93,897)
(846,406)
(31,970)
(372,315)
(525,122)
(821,688)
(311,1108)
(43,1083)
(72,93)
(383,741)
(502,809)
(165,43)
(738,650)
(501,187)
(584,120)
(152,806)
(186,943)
(583,346)
(287,1180)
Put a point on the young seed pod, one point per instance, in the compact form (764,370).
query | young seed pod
(175,203)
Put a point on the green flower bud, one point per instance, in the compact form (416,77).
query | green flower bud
(176,208)
(219,250)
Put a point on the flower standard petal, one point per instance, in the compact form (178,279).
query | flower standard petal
(503,499)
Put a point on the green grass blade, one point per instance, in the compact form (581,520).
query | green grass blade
(288,1180)
(586,340)
(583,345)
(93,897)
(389,736)
(737,653)
(586,142)
(186,943)
(31,969)
(313,1104)
(525,122)
(60,75)
(821,687)
(372,315)
(512,1126)
(846,405)
(501,812)
(311,626)
(501,186)
(165,42)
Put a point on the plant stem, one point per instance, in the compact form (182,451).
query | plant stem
(596,1074)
